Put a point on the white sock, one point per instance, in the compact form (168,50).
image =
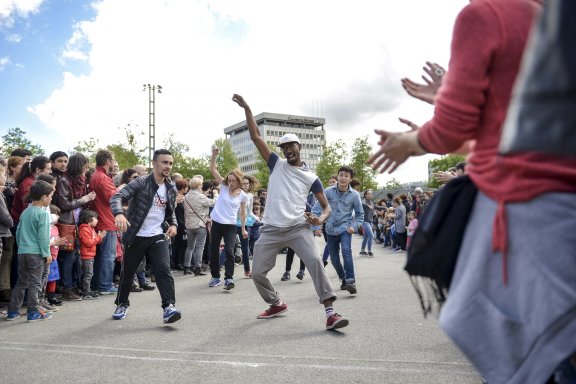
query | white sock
(329,311)
(278,303)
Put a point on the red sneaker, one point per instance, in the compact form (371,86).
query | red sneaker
(336,321)
(274,310)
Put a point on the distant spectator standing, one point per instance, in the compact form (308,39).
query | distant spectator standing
(101,183)
(368,206)
(400,224)
(71,197)
(59,161)
(197,220)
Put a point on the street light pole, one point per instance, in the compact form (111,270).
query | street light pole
(152,89)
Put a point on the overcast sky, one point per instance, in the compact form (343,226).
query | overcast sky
(70,70)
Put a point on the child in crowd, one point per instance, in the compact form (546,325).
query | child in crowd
(254,230)
(89,239)
(33,238)
(44,304)
(388,224)
(412,225)
(53,276)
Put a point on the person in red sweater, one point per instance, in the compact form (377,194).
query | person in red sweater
(511,303)
(29,173)
(89,239)
(101,182)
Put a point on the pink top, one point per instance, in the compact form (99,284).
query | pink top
(54,249)
(412,227)
(488,42)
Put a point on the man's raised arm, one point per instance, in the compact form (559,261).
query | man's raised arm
(253,128)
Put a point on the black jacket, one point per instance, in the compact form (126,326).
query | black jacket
(139,194)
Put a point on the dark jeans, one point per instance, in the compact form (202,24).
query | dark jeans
(245,246)
(156,248)
(290,258)
(401,240)
(206,253)
(228,232)
(179,248)
(70,265)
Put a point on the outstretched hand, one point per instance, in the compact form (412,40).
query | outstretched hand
(413,127)
(395,149)
(239,100)
(426,92)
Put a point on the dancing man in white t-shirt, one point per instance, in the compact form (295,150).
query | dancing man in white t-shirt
(286,224)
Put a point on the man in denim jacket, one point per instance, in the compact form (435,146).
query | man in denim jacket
(347,215)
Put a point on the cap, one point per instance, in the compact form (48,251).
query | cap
(289,138)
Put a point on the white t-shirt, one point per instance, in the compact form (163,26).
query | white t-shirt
(152,225)
(227,207)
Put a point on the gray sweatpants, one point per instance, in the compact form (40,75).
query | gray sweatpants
(301,239)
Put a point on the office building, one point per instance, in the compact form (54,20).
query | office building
(272,127)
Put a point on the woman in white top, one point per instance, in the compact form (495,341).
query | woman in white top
(249,185)
(232,199)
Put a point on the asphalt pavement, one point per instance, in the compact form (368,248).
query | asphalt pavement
(219,339)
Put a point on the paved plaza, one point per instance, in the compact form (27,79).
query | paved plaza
(219,339)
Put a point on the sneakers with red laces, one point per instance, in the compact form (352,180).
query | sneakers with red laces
(336,321)
(274,310)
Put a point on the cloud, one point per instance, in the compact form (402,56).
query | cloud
(11,9)
(4,61)
(285,57)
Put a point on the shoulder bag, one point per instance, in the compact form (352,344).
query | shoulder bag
(67,232)
(207,223)
(436,242)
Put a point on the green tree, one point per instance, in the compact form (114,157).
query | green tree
(334,155)
(182,163)
(442,164)
(16,138)
(88,148)
(125,157)
(199,166)
(364,173)
(127,154)
(227,159)
(392,184)
(263,172)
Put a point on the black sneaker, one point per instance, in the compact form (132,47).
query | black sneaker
(351,287)
(343,286)
(370,254)
(147,287)
(135,288)
(300,275)
(54,301)
(285,276)
(90,296)
(362,253)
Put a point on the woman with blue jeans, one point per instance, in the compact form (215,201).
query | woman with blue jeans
(249,185)
(368,206)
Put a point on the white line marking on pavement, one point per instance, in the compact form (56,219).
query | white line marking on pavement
(116,353)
